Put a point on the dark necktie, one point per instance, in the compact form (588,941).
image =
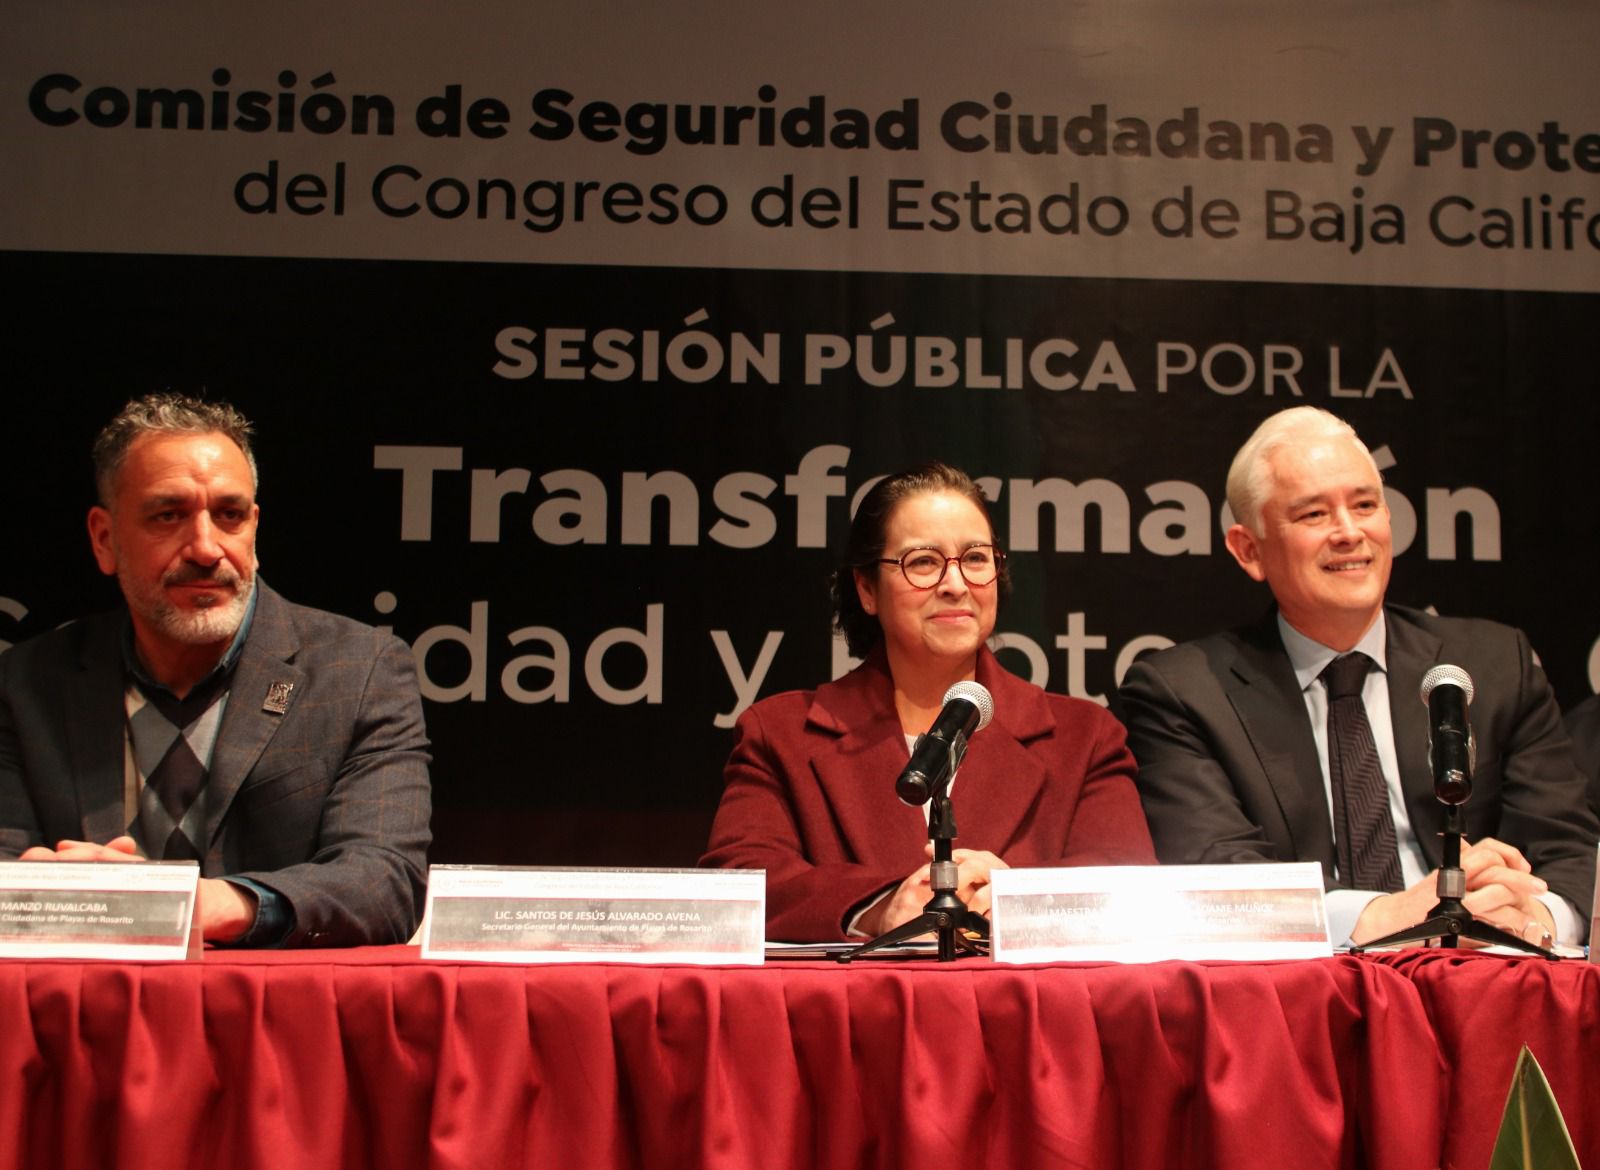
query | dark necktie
(1364,826)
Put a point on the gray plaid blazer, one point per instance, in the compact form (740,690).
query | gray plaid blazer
(326,800)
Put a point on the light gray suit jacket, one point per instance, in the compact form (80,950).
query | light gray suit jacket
(327,802)
(1228,768)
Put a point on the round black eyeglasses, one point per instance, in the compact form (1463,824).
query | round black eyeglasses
(924,568)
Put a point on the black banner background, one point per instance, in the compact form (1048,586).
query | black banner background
(335,358)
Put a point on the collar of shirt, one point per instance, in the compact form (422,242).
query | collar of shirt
(136,671)
(1310,658)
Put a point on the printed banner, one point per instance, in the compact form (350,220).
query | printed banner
(572,341)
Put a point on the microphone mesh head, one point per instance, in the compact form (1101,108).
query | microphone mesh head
(1449,675)
(978,695)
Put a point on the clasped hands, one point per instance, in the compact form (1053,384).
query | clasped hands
(226,910)
(907,899)
(1501,890)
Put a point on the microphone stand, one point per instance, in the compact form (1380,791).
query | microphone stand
(944,913)
(1450,921)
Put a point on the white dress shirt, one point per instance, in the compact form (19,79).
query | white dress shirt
(1309,658)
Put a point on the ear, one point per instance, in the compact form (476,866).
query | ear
(866,591)
(1246,549)
(102,541)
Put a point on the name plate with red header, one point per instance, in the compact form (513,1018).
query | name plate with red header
(1141,914)
(97,909)
(538,914)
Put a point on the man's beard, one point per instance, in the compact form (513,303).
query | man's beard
(203,626)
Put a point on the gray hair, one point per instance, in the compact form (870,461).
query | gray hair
(164,414)
(1249,476)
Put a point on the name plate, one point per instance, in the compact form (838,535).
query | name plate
(97,909)
(538,914)
(1141,914)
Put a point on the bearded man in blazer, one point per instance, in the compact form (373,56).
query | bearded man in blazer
(281,747)
(1230,730)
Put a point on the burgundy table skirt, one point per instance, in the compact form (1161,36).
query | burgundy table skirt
(1484,1008)
(373,1058)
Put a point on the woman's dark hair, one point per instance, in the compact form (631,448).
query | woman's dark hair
(865,544)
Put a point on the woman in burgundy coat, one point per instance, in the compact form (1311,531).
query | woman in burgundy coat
(810,785)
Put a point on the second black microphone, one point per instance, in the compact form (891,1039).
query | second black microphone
(967,711)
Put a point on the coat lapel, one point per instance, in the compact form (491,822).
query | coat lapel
(1266,697)
(265,687)
(1411,651)
(994,789)
(96,720)
(857,771)
(1000,780)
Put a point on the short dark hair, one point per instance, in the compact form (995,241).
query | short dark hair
(866,542)
(165,413)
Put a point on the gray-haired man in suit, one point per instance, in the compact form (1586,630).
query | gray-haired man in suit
(1236,734)
(281,747)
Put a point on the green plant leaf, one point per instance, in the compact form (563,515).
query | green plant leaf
(1533,1135)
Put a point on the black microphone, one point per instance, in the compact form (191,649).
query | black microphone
(967,711)
(1447,692)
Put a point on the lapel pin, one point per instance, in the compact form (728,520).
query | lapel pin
(277,700)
